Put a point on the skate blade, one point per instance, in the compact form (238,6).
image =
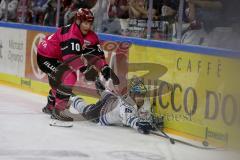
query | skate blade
(57,123)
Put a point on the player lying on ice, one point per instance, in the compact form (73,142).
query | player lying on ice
(132,109)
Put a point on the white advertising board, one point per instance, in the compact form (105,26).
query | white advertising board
(12,51)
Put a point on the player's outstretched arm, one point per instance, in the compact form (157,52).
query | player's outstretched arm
(130,118)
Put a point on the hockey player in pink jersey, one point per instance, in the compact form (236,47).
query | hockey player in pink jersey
(72,47)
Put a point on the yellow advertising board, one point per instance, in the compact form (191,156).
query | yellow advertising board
(191,90)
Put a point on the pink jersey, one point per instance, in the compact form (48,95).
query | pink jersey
(67,42)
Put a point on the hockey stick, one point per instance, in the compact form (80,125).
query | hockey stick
(65,63)
(90,72)
(173,140)
(55,76)
(164,135)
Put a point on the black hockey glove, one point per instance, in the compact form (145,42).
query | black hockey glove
(107,73)
(99,86)
(144,127)
(158,122)
(89,72)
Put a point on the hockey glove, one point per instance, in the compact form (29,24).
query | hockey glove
(110,86)
(144,127)
(107,73)
(89,72)
(99,86)
(158,122)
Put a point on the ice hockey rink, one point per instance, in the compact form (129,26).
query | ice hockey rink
(25,134)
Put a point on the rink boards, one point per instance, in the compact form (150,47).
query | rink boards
(191,86)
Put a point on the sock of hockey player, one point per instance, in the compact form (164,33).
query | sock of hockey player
(61,104)
(50,104)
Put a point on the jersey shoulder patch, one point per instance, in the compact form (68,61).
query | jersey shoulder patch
(65,29)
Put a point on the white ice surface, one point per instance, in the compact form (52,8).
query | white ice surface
(25,134)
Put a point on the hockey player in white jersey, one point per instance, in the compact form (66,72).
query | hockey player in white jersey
(132,109)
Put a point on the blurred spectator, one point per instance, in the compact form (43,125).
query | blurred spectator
(103,22)
(24,12)
(138,9)
(193,31)
(97,7)
(90,3)
(71,10)
(80,3)
(168,11)
(72,6)
(61,15)
(202,18)
(120,9)
(207,11)
(161,11)
(100,11)
(38,10)
(123,15)
(227,33)
(11,6)
(138,13)
(164,18)
(211,23)
(50,15)
(66,3)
